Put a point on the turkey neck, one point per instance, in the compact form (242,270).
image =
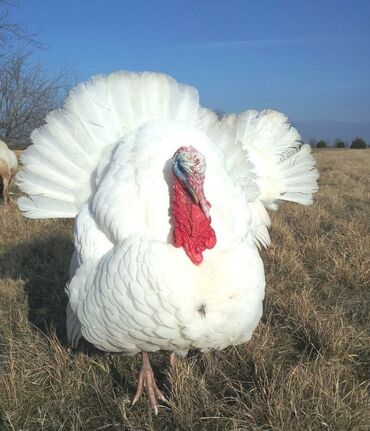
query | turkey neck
(192,228)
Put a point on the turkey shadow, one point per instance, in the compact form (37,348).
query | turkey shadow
(43,265)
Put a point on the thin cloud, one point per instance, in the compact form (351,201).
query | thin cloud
(256,42)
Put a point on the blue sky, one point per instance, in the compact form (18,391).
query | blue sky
(309,59)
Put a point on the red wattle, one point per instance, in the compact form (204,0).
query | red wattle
(192,229)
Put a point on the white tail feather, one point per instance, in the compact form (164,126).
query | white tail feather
(60,167)
(41,207)
(263,153)
(285,168)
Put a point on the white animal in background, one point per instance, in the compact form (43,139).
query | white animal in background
(8,168)
(170,207)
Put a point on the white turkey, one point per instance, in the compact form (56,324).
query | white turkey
(8,168)
(170,211)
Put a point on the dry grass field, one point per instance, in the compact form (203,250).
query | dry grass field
(306,368)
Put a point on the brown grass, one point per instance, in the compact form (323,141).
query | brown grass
(306,368)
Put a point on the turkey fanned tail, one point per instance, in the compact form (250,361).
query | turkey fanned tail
(59,170)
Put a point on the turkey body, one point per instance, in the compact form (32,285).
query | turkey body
(170,208)
(132,290)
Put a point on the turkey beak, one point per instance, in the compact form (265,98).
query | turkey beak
(178,170)
(193,194)
(199,199)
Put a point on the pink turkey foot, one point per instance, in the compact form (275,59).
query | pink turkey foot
(146,379)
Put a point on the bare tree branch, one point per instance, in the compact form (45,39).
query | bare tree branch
(27,94)
(11,32)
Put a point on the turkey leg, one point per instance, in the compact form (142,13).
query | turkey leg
(146,379)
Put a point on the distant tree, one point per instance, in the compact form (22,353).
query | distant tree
(27,94)
(339,143)
(312,142)
(321,144)
(220,113)
(359,143)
